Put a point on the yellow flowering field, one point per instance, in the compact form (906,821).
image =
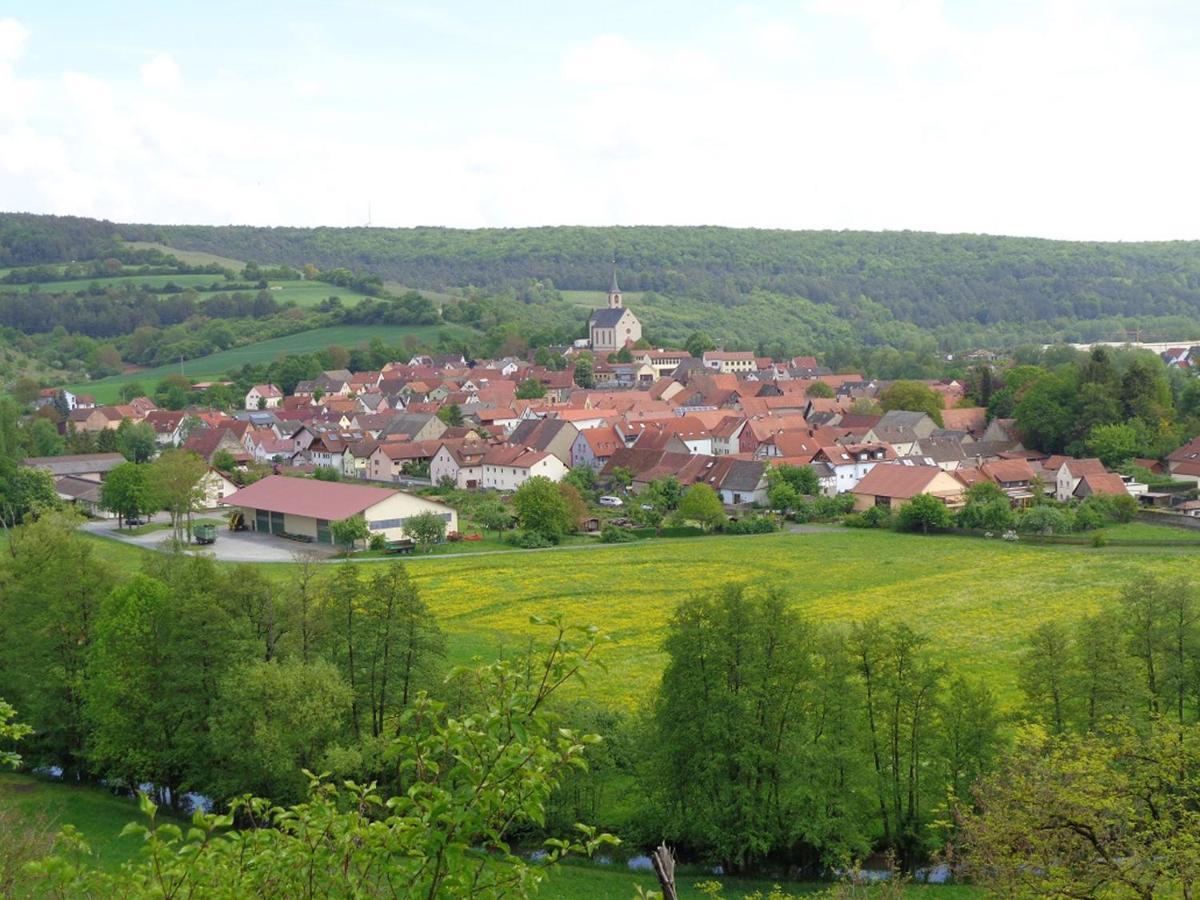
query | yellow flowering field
(976,599)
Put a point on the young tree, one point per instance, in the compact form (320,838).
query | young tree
(127,491)
(582,477)
(924,513)
(136,441)
(175,480)
(541,509)
(701,504)
(698,343)
(912,396)
(451,414)
(348,532)
(819,390)
(577,508)
(427,528)
(492,515)
(584,372)
(530,389)
(1044,674)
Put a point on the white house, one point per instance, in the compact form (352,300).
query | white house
(739,361)
(851,463)
(506,467)
(216,487)
(263,396)
(1069,474)
(462,465)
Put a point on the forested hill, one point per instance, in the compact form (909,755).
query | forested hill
(930,280)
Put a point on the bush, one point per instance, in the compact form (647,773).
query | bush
(923,513)
(875,517)
(614,534)
(751,525)
(530,540)
(377,542)
(1044,520)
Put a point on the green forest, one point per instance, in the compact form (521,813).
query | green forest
(807,290)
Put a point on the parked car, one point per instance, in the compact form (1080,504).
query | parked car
(610,500)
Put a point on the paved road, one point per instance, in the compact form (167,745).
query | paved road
(241,546)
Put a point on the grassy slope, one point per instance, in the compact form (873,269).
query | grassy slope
(191,257)
(96,813)
(106,390)
(147,281)
(977,600)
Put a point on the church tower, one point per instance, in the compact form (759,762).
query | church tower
(614,292)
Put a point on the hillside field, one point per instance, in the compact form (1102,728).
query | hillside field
(106,390)
(975,599)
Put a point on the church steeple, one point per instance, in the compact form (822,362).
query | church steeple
(614,292)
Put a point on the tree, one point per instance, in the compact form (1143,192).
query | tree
(176,480)
(44,439)
(492,515)
(23,490)
(1044,674)
(426,528)
(621,477)
(819,390)
(803,479)
(782,496)
(1089,816)
(11,731)
(698,343)
(509,755)
(25,390)
(127,491)
(1046,412)
(577,508)
(541,509)
(451,414)
(1115,444)
(924,513)
(584,372)
(349,531)
(273,720)
(701,504)
(131,390)
(582,477)
(987,508)
(912,396)
(136,441)
(530,389)
(323,473)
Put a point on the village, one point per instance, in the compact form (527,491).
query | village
(724,419)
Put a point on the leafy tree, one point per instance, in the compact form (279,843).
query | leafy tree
(782,496)
(803,479)
(127,491)
(492,515)
(274,720)
(819,390)
(969,734)
(698,343)
(176,481)
(23,490)
(451,414)
(912,396)
(621,477)
(131,390)
(624,355)
(348,532)
(427,528)
(11,731)
(583,478)
(1046,411)
(508,758)
(530,389)
(223,461)
(44,439)
(584,372)
(987,508)
(321,473)
(1095,815)
(924,513)
(1114,444)
(701,504)
(577,508)
(136,441)
(1045,676)
(541,508)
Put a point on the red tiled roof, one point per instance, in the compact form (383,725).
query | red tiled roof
(331,500)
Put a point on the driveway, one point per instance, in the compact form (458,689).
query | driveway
(230,546)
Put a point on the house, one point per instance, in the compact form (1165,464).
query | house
(506,467)
(167,425)
(1070,472)
(613,326)
(902,429)
(553,436)
(216,487)
(740,481)
(83,494)
(94,419)
(664,362)
(263,396)
(738,361)
(88,466)
(594,446)
(208,442)
(1013,476)
(279,504)
(893,484)
(726,436)
(1184,463)
(414,427)
(459,463)
(852,462)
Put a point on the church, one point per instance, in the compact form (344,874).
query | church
(612,327)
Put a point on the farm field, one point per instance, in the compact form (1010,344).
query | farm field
(975,599)
(190,257)
(106,390)
(596,299)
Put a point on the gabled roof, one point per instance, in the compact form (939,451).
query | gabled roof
(1007,471)
(1101,483)
(607,317)
(77,464)
(898,481)
(330,500)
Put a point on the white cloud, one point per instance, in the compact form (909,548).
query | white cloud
(13,36)
(160,72)
(607,59)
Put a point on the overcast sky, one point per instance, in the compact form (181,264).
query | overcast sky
(1055,119)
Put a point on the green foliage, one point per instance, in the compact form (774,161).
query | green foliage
(492,515)
(541,509)
(176,482)
(426,528)
(912,396)
(530,389)
(451,414)
(614,534)
(1045,520)
(1117,443)
(127,491)
(349,531)
(1097,815)
(923,513)
(583,478)
(11,731)
(755,524)
(987,509)
(136,441)
(24,490)
(701,504)
(509,755)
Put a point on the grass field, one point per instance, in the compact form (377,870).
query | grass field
(977,600)
(190,257)
(595,299)
(106,390)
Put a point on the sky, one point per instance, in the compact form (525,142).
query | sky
(1071,119)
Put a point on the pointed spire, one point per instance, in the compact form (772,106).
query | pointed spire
(612,288)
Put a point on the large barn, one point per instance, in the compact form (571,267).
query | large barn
(302,506)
